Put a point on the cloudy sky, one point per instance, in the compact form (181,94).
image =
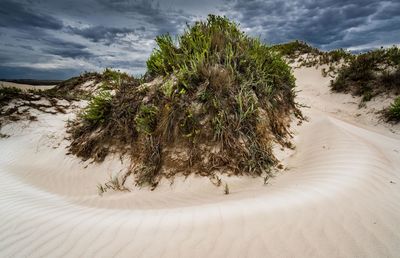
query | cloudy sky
(57,39)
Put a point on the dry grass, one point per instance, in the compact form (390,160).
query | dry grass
(370,74)
(25,101)
(214,101)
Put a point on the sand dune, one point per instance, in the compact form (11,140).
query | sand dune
(25,86)
(339,197)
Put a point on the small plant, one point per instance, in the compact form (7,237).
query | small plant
(8,93)
(295,48)
(146,118)
(266,179)
(204,96)
(101,189)
(98,109)
(2,135)
(226,189)
(168,88)
(113,79)
(393,112)
(367,96)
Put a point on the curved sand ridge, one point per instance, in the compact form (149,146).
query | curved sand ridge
(339,197)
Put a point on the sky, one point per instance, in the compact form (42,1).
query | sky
(58,39)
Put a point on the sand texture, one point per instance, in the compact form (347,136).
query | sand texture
(339,195)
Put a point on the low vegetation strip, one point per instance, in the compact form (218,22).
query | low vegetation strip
(392,113)
(308,56)
(33,81)
(214,100)
(370,74)
(367,74)
(17,104)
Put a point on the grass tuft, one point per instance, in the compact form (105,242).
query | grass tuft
(98,109)
(226,189)
(370,74)
(214,100)
(393,112)
(146,119)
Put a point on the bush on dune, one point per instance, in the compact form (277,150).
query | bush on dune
(393,112)
(309,56)
(370,74)
(214,101)
(295,48)
(98,108)
(8,93)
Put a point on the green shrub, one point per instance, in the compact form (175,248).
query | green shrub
(98,108)
(214,95)
(217,42)
(146,119)
(10,91)
(112,79)
(369,74)
(393,112)
(295,48)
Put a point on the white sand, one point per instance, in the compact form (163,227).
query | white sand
(340,196)
(25,86)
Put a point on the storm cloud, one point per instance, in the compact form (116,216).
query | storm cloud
(101,34)
(19,16)
(326,24)
(56,39)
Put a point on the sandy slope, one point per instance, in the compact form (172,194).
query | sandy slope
(340,196)
(25,86)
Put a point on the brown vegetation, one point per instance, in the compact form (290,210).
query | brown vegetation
(213,102)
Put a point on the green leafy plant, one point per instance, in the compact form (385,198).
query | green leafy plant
(295,48)
(146,118)
(212,101)
(369,74)
(393,112)
(98,108)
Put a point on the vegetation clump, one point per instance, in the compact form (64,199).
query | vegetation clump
(370,74)
(88,84)
(213,101)
(98,108)
(393,112)
(295,48)
(8,93)
(309,56)
(15,104)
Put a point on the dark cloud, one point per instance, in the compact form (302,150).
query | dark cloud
(71,53)
(27,47)
(4,58)
(60,43)
(102,34)
(7,72)
(63,48)
(66,37)
(150,12)
(325,23)
(390,11)
(18,16)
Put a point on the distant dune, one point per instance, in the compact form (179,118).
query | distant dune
(338,197)
(33,81)
(25,86)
